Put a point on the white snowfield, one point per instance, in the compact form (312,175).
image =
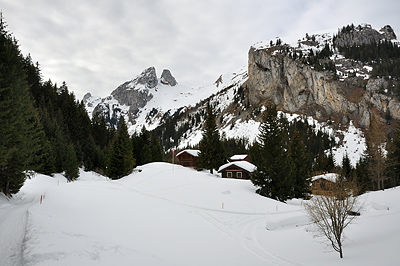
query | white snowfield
(169,215)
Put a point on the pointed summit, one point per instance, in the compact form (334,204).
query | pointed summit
(148,78)
(167,78)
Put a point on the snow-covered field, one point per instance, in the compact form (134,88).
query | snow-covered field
(170,215)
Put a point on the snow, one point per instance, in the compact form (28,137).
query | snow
(166,214)
(91,103)
(353,144)
(353,139)
(238,157)
(329,176)
(243,129)
(249,167)
(194,153)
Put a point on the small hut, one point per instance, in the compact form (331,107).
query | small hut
(188,158)
(237,169)
(323,184)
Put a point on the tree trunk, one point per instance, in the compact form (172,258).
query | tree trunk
(6,191)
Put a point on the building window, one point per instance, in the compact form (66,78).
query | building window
(228,174)
(239,174)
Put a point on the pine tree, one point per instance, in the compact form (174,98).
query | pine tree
(156,150)
(19,134)
(47,163)
(347,169)
(71,163)
(121,159)
(394,156)
(272,176)
(212,153)
(146,154)
(362,175)
(300,167)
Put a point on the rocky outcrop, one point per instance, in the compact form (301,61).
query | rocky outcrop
(135,93)
(364,34)
(388,33)
(167,78)
(131,97)
(148,77)
(298,88)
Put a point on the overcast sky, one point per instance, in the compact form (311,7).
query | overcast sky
(96,45)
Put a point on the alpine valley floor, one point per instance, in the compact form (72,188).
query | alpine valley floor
(165,214)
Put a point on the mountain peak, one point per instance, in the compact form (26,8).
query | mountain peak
(148,77)
(167,78)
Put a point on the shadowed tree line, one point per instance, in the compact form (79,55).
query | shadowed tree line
(43,128)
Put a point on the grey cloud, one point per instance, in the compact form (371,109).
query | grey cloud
(95,45)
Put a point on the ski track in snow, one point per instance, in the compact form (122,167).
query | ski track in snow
(243,232)
(176,219)
(13,222)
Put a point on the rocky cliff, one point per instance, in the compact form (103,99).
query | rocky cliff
(363,34)
(128,99)
(296,87)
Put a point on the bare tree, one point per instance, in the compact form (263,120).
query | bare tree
(334,212)
(376,144)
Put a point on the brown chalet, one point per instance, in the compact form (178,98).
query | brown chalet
(237,169)
(188,158)
(323,184)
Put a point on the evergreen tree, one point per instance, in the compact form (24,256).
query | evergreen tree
(347,169)
(212,153)
(394,156)
(71,163)
(272,176)
(362,174)
(324,163)
(300,167)
(19,133)
(47,163)
(156,150)
(146,154)
(121,159)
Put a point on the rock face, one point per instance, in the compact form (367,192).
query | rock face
(364,34)
(297,88)
(135,93)
(167,78)
(148,78)
(130,97)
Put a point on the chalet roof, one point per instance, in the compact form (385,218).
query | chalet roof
(330,177)
(249,167)
(194,153)
(238,157)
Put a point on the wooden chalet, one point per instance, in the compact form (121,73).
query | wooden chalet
(237,169)
(323,184)
(188,158)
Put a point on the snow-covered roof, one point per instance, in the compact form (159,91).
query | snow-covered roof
(330,176)
(194,153)
(245,165)
(238,157)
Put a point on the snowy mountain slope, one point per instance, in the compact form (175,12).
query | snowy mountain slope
(170,215)
(164,99)
(238,116)
(315,42)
